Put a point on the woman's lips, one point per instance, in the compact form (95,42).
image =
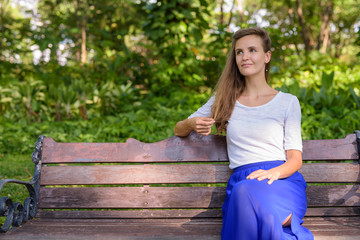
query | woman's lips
(246,65)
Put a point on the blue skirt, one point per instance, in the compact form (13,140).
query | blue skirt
(256,210)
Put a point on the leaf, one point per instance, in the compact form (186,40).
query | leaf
(355,97)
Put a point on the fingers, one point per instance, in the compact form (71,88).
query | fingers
(271,180)
(202,125)
(264,174)
(259,174)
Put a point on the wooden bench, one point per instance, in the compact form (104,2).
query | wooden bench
(173,189)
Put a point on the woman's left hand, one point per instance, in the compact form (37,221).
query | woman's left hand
(261,174)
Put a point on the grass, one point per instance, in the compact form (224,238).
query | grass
(17,166)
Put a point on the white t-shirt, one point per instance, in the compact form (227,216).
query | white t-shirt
(262,133)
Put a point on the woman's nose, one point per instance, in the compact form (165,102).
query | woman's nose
(245,55)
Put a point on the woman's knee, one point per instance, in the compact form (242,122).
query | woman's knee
(243,188)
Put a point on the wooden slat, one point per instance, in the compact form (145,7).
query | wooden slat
(177,197)
(334,228)
(163,229)
(331,149)
(132,197)
(192,173)
(180,213)
(331,172)
(135,174)
(176,149)
(333,212)
(118,229)
(144,213)
(334,196)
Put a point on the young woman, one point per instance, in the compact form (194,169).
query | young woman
(265,196)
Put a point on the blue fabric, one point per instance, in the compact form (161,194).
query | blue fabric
(255,210)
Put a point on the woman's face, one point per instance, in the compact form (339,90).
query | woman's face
(250,56)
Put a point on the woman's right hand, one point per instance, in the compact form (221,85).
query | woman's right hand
(201,125)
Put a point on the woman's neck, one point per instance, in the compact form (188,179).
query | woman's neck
(256,87)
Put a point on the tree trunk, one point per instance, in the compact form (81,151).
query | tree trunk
(2,29)
(241,10)
(83,42)
(304,31)
(77,36)
(326,40)
(83,111)
(221,20)
(83,32)
(323,37)
(58,116)
(231,15)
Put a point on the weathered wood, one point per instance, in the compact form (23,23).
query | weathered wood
(333,212)
(177,197)
(331,149)
(119,229)
(180,213)
(143,213)
(136,174)
(192,173)
(174,229)
(331,172)
(176,149)
(132,197)
(333,196)
(174,212)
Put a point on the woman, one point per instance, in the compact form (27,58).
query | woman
(265,196)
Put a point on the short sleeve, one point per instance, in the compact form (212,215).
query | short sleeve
(292,127)
(205,110)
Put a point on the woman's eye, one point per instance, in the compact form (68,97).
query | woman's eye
(239,52)
(252,50)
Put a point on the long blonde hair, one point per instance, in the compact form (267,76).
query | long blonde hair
(231,82)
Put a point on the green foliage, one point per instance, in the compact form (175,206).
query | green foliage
(328,91)
(14,33)
(175,30)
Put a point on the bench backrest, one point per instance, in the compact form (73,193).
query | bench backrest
(178,178)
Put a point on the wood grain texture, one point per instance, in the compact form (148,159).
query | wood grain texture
(132,197)
(192,173)
(176,149)
(177,197)
(180,213)
(175,213)
(163,229)
(136,174)
(331,172)
(331,149)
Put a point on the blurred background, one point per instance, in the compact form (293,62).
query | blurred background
(105,71)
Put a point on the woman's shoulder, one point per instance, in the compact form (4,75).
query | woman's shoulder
(288,97)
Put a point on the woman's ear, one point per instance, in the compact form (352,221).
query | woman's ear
(267,57)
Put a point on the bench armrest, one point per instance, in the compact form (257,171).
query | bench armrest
(15,212)
(357,132)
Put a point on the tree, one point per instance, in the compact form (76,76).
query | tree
(323,25)
(14,34)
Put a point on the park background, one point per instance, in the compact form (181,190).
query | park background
(105,71)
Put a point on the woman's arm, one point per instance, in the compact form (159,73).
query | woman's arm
(201,125)
(293,164)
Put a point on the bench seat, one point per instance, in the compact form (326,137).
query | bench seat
(328,228)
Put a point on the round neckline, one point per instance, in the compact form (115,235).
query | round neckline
(271,100)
